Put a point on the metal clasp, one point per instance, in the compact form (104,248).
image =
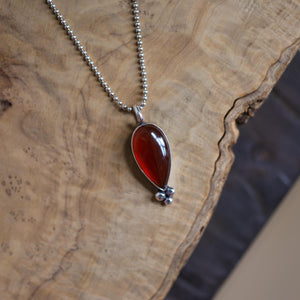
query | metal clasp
(138,114)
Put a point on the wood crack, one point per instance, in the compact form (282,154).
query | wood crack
(60,267)
(4,106)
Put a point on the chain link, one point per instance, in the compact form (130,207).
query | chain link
(94,69)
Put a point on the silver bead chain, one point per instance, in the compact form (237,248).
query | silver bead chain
(94,69)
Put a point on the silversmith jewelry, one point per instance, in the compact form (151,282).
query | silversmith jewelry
(149,144)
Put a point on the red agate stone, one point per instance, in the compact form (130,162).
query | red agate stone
(151,150)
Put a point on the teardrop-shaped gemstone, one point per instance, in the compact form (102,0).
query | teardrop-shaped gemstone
(151,150)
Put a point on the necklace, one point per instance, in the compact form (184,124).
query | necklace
(149,144)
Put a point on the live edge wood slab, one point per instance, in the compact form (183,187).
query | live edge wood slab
(78,220)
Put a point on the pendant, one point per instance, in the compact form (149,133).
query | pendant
(151,151)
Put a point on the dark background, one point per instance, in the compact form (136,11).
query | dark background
(267,162)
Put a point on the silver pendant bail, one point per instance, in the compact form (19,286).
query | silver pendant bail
(138,114)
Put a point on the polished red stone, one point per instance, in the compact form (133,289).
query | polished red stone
(151,150)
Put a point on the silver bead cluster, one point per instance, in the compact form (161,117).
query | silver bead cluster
(92,66)
(165,196)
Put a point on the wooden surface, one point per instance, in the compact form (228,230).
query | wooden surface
(77,220)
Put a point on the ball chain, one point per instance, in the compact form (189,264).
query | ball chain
(94,69)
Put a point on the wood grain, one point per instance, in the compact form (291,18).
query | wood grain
(266,164)
(77,219)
